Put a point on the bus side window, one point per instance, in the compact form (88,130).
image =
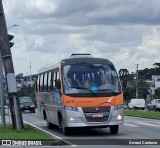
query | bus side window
(41,82)
(45,81)
(49,81)
(37,83)
(58,75)
(54,78)
(57,81)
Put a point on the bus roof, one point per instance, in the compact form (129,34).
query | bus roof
(49,66)
(71,60)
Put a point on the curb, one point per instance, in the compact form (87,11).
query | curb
(57,142)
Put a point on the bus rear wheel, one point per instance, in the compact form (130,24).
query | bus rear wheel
(114,129)
(49,125)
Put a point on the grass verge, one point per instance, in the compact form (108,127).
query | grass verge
(28,132)
(143,113)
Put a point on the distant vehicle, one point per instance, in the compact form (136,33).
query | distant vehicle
(154,105)
(136,103)
(26,103)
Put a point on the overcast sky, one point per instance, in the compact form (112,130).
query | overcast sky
(126,32)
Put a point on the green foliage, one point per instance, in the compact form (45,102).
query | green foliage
(28,132)
(157,93)
(129,92)
(143,89)
(157,65)
(143,113)
(19,76)
(123,74)
(27,91)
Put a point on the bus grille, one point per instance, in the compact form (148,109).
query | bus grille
(90,111)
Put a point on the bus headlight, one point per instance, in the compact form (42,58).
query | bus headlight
(71,119)
(118,107)
(119,117)
(71,108)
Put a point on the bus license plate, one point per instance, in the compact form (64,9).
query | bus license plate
(97,115)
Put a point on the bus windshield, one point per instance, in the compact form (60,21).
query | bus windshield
(90,79)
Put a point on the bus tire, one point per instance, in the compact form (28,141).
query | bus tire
(49,125)
(44,115)
(64,129)
(114,129)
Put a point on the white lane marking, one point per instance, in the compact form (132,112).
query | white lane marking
(142,123)
(131,125)
(43,130)
(151,122)
(54,136)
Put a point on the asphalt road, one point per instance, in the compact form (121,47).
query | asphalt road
(134,130)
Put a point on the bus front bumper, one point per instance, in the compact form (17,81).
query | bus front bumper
(78,119)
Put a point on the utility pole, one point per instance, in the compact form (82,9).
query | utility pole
(137,82)
(30,74)
(2,91)
(16,116)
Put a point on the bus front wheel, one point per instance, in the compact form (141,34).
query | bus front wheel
(114,129)
(65,130)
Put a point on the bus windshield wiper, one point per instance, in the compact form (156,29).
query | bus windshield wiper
(109,90)
(78,87)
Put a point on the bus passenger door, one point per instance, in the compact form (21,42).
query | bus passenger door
(48,105)
(58,105)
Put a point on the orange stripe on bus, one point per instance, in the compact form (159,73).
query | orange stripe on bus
(91,102)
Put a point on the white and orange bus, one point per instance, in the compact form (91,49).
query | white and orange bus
(81,91)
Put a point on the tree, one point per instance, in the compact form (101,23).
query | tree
(123,74)
(19,76)
(157,65)
(143,89)
(23,91)
(129,93)
(157,93)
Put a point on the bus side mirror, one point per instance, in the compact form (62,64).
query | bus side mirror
(58,84)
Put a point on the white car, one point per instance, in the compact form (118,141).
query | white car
(136,103)
(154,105)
